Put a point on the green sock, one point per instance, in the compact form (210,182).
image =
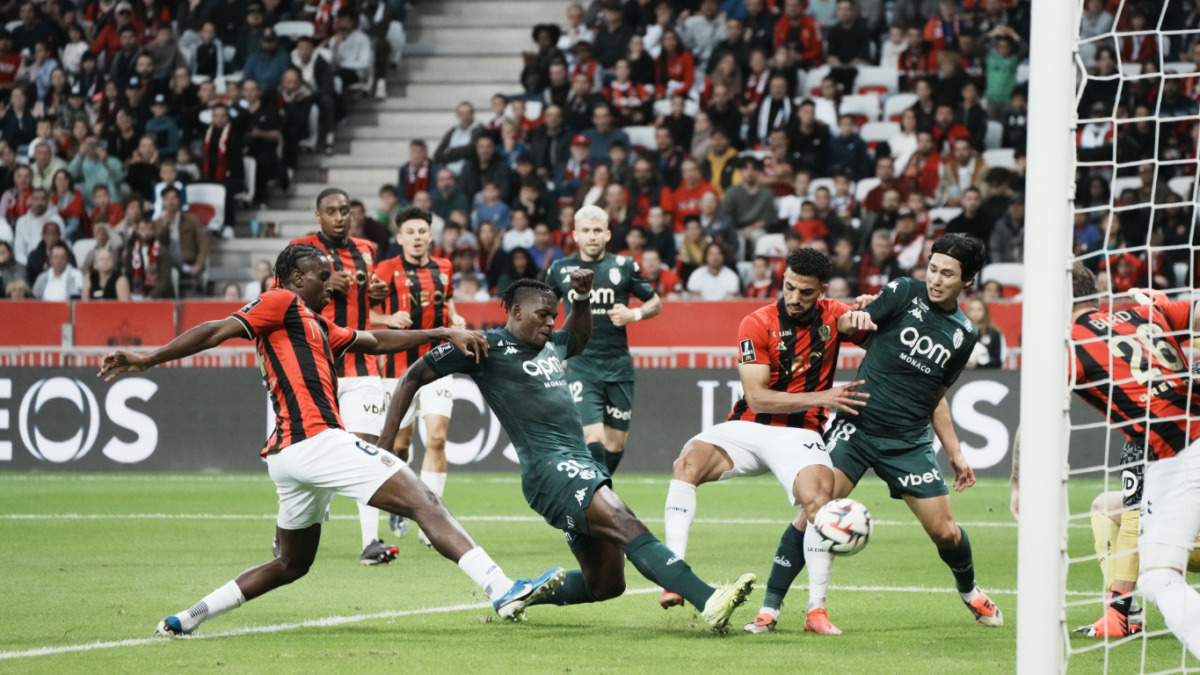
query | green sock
(573,591)
(789,560)
(611,460)
(657,563)
(598,453)
(961,564)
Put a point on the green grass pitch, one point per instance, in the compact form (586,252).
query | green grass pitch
(89,560)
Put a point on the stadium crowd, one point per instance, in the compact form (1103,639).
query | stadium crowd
(113,112)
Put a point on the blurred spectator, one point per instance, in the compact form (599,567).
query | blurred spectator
(10,269)
(774,112)
(263,129)
(104,240)
(71,209)
(675,71)
(458,144)
(592,190)
(32,226)
(972,117)
(666,283)
(764,285)
(612,39)
(376,18)
(352,57)
(209,57)
(839,289)
(602,134)
(849,39)
(415,174)
(121,55)
(1008,236)
(714,281)
(1015,120)
(875,269)
(142,171)
(469,288)
(536,73)
(908,242)
(925,166)
(447,197)
(691,250)
(685,199)
(187,240)
(717,167)
(232,293)
(703,31)
(800,34)
(558,85)
(848,150)
(570,176)
(972,220)
(750,205)
(519,265)
(123,138)
(573,31)
(60,281)
(372,230)
(44,165)
(36,72)
(616,204)
(716,223)
(760,24)
(148,262)
(788,207)
(543,250)
(549,143)
(163,127)
(93,168)
(318,77)
(965,169)
(486,167)
(734,44)
(823,208)
(511,146)
(493,209)
(808,225)
(221,159)
(104,280)
(164,55)
(17,126)
(34,28)
(267,65)
(630,101)
(641,63)
(682,125)
(263,275)
(810,140)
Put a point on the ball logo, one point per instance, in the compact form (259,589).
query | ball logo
(77,445)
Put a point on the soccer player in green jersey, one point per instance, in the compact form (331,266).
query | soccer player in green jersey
(601,378)
(921,343)
(523,379)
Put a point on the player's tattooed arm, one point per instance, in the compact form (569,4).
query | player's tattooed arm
(579,321)
(205,336)
(418,375)
(943,426)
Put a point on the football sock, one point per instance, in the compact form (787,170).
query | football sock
(611,460)
(1104,538)
(478,565)
(1179,604)
(678,515)
(1124,559)
(220,601)
(820,567)
(598,452)
(962,565)
(434,480)
(1121,603)
(657,563)
(368,522)
(573,591)
(789,560)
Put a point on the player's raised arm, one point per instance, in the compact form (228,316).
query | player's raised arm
(392,341)
(579,321)
(205,336)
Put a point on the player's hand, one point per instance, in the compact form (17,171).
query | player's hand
(860,320)
(457,321)
(620,315)
(581,281)
(116,363)
(1014,502)
(964,477)
(862,301)
(378,289)
(340,281)
(847,398)
(1148,296)
(468,342)
(400,320)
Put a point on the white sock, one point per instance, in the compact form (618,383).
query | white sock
(224,599)
(1133,604)
(368,520)
(770,610)
(970,595)
(678,516)
(478,565)
(1179,604)
(820,566)
(434,480)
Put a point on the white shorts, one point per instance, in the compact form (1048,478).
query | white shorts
(435,398)
(758,448)
(361,402)
(334,462)
(1170,518)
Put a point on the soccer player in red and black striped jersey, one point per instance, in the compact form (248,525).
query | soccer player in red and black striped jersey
(420,295)
(310,456)
(1129,365)
(360,389)
(789,351)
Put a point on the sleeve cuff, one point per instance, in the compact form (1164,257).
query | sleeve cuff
(250,334)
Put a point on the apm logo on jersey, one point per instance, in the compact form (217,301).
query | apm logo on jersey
(925,347)
(550,369)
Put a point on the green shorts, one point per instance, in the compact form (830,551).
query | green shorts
(560,488)
(607,402)
(908,465)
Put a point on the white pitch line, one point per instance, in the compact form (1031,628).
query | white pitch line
(340,620)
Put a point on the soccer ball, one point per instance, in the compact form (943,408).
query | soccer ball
(844,525)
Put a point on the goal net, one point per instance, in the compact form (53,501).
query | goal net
(1127,144)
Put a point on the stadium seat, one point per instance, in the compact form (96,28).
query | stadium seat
(211,195)
(1131,69)
(1183,186)
(876,79)
(533,110)
(864,186)
(1003,158)
(944,214)
(1022,73)
(81,249)
(1179,67)
(745,270)
(641,136)
(12,25)
(772,245)
(810,85)
(875,133)
(826,183)
(995,135)
(1008,274)
(294,29)
(663,107)
(896,104)
(863,106)
(1122,184)
(250,166)
(762,155)
(397,38)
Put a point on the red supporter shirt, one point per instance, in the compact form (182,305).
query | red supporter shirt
(296,352)
(684,201)
(667,282)
(10,63)
(802,358)
(1141,361)
(350,309)
(424,291)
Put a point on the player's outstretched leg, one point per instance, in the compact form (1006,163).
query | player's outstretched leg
(433,464)
(298,549)
(954,547)
(405,495)
(1114,534)
(698,463)
(374,551)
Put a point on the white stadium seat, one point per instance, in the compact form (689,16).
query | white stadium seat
(864,186)
(1003,158)
(896,104)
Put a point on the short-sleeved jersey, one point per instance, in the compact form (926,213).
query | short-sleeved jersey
(802,357)
(351,309)
(424,291)
(615,277)
(525,387)
(296,352)
(1129,363)
(918,348)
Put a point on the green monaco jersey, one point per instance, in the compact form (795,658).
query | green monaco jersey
(615,277)
(526,388)
(918,348)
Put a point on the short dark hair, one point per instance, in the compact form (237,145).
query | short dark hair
(970,252)
(63,245)
(168,190)
(418,143)
(752,161)
(289,259)
(808,262)
(329,192)
(522,290)
(1083,285)
(413,213)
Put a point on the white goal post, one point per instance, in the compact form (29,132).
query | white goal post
(1045,428)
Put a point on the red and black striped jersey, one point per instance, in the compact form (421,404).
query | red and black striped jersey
(424,291)
(297,349)
(802,357)
(350,309)
(1128,365)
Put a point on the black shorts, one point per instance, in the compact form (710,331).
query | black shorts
(1133,469)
